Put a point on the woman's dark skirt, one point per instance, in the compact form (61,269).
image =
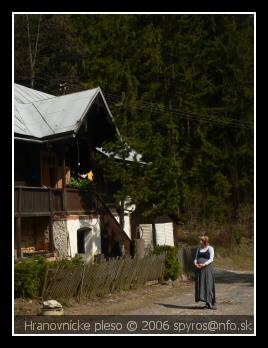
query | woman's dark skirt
(205,284)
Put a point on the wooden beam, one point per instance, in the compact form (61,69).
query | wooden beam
(63,165)
(28,214)
(19,200)
(51,237)
(18,236)
(18,225)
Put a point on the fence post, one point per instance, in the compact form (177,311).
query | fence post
(82,282)
(45,282)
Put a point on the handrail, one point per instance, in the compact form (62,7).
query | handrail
(109,212)
(31,187)
(52,188)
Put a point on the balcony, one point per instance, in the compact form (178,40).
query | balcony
(38,201)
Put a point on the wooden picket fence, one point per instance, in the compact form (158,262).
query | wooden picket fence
(186,255)
(87,281)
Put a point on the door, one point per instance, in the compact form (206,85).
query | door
(49,169)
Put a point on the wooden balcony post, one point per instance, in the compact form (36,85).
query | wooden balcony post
(18,224)
(18,236)
(50,233)
(19,200)
(51,203)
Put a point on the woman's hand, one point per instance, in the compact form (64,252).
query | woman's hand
(199,265)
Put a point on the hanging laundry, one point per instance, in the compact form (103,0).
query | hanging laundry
(90,176)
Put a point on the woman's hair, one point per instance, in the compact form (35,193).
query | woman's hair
(205,239)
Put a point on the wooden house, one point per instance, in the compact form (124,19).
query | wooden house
(55,137)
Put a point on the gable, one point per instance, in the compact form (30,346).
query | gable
(40,115)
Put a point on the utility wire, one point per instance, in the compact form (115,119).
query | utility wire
(187,115)
(154,107)
(165,109)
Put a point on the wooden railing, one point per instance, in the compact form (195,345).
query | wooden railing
(113,239)
(44,201)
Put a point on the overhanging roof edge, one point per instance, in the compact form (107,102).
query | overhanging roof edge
(76,129)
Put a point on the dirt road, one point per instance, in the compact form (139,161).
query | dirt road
(234,294)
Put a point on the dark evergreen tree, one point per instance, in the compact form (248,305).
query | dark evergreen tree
(181,90)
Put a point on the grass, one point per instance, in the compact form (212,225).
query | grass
(240,258)
(233,244)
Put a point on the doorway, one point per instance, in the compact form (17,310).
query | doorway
(83,235)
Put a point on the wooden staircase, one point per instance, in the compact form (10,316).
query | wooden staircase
(112,239)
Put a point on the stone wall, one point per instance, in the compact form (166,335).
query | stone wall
(60,235)
(65,235)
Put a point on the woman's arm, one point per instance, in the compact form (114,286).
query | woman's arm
(195,260)
(211,258)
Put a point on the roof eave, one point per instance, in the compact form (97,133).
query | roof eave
(50,138)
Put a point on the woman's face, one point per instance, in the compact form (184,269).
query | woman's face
(202,244)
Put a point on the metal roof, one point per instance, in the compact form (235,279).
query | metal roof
(39,115)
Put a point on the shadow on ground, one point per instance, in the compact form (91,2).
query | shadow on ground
(180,307)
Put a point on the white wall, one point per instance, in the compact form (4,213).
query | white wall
(164,234)
(93,239)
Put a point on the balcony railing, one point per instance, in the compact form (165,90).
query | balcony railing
(45,201)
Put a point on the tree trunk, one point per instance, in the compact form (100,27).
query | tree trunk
(32,52)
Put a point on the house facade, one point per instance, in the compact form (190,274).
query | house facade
(56,138)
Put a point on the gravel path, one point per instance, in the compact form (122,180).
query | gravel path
(234,295)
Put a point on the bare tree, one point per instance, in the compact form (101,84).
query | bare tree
(32,51)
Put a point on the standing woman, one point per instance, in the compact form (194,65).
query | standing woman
(204,275)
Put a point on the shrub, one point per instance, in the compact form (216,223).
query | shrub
(29,274)
(29,277)
(172,266)
(67,263)
(237,235)
(81,184)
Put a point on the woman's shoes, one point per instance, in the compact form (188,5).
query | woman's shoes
(209,306)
